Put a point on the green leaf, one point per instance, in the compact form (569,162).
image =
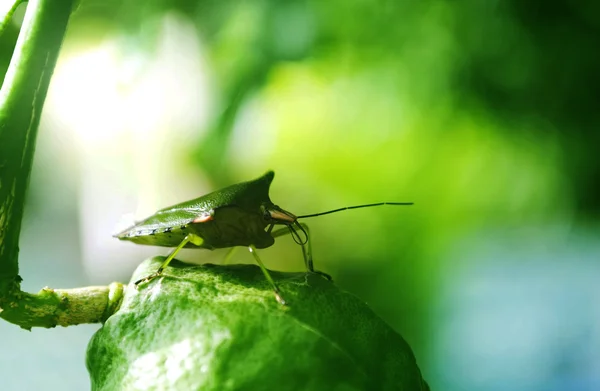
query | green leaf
(220,328)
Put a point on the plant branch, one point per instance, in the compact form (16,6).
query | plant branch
(63,307)
(21,100)
(6,12)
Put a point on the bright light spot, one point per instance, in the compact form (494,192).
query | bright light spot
(88,95)
(145,371)
(178,362)
(164,368)
(155,290)
(104,92)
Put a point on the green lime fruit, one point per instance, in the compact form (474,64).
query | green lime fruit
(220,328)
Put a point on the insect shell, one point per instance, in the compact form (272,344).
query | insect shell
(237,215)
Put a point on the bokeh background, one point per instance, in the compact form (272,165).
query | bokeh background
(484,113)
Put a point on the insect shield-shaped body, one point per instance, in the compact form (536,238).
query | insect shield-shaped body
(238,215)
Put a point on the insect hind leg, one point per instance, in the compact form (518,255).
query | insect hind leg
(306,248)
(229,255)
(190,238)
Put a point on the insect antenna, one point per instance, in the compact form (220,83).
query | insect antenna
(354,207)
(296,236)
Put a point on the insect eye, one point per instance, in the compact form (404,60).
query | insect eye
(266,214)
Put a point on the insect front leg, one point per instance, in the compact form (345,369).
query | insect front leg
(190,238)
(278,296)
(306,248)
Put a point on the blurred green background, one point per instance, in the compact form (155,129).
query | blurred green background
(484,113)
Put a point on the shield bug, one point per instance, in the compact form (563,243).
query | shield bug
(237,215)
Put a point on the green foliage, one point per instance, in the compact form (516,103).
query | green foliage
(219,328)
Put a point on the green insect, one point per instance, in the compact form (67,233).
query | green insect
(237,215)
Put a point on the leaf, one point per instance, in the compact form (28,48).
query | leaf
(220,328)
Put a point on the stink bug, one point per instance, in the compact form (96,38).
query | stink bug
(238,215)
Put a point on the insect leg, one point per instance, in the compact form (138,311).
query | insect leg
(195,239)
(228,256)
(278,296)
(306,248)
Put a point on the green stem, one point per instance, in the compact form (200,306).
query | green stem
(63,307)
(6,12)
(21,100)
